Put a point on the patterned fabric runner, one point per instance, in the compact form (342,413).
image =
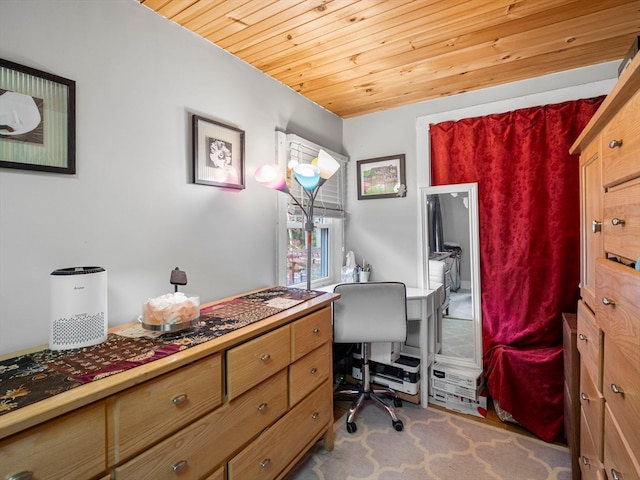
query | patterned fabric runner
(29,378)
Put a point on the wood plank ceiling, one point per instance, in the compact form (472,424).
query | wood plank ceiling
(355,57)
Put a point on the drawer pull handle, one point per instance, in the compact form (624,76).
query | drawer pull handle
(585,460)
(314,370)
(21,476)
(265,463)
(606,301)
(316,331)
(582,337)
(265,358)
(616,389)
(617,221)
(615,143)
(596,226)
(177,467)
(315,415)
(615,475)
(262,407)
(584,397)
(179,400)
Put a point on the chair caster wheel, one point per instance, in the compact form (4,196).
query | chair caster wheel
(351,427)
(397,402)
(398,425)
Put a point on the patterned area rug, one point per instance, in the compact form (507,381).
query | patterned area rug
(433,445)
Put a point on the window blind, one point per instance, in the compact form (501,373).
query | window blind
(330,200)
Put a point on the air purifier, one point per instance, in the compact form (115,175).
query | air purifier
(78,307)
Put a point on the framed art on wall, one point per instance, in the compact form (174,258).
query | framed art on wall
(382,177)
(37,120)
(218,154)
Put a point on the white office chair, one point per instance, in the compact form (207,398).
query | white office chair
(365,313)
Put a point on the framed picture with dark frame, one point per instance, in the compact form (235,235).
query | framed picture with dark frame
(218,154)
(382,177)
(37,120)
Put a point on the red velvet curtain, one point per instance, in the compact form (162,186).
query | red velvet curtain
(529,213)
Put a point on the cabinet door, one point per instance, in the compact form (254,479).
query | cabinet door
(591,194)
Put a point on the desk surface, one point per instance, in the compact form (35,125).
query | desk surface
(412,292)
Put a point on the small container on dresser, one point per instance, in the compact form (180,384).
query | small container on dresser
(609,311)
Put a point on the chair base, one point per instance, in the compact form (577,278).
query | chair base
(365,392)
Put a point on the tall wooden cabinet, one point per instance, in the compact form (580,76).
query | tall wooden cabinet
(608,327)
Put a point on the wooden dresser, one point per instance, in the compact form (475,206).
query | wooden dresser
(247,404)
(608,330)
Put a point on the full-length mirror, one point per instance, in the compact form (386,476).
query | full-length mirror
(451,253)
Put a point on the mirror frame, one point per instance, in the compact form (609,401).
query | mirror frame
(474,259)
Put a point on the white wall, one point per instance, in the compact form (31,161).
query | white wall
(131,207)
(387,231)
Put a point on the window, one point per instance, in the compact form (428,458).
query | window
(327,239)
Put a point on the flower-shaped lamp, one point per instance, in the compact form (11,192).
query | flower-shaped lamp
(307,175)
(327,164)
(271,176)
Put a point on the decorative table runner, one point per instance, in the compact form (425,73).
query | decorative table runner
(29,378)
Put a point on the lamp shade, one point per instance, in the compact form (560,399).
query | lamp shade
(307,175)
(327,164)
(271,176)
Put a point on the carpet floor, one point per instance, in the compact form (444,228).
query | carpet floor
(433,445)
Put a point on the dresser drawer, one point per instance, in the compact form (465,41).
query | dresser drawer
(217,475)
(203,445)
(268,455)
(160,407)
(590,343)
(590,462)
(592,405)
(621,220)
(622,162)
(311,332)
(624,378)
(71,446)
(309,372)
(618,311)
(256,360)
(618,461)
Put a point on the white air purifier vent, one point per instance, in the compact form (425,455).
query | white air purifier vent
(78,307)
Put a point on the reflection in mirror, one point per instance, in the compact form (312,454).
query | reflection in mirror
(451,246)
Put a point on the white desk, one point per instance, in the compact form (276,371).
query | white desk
(423,312)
